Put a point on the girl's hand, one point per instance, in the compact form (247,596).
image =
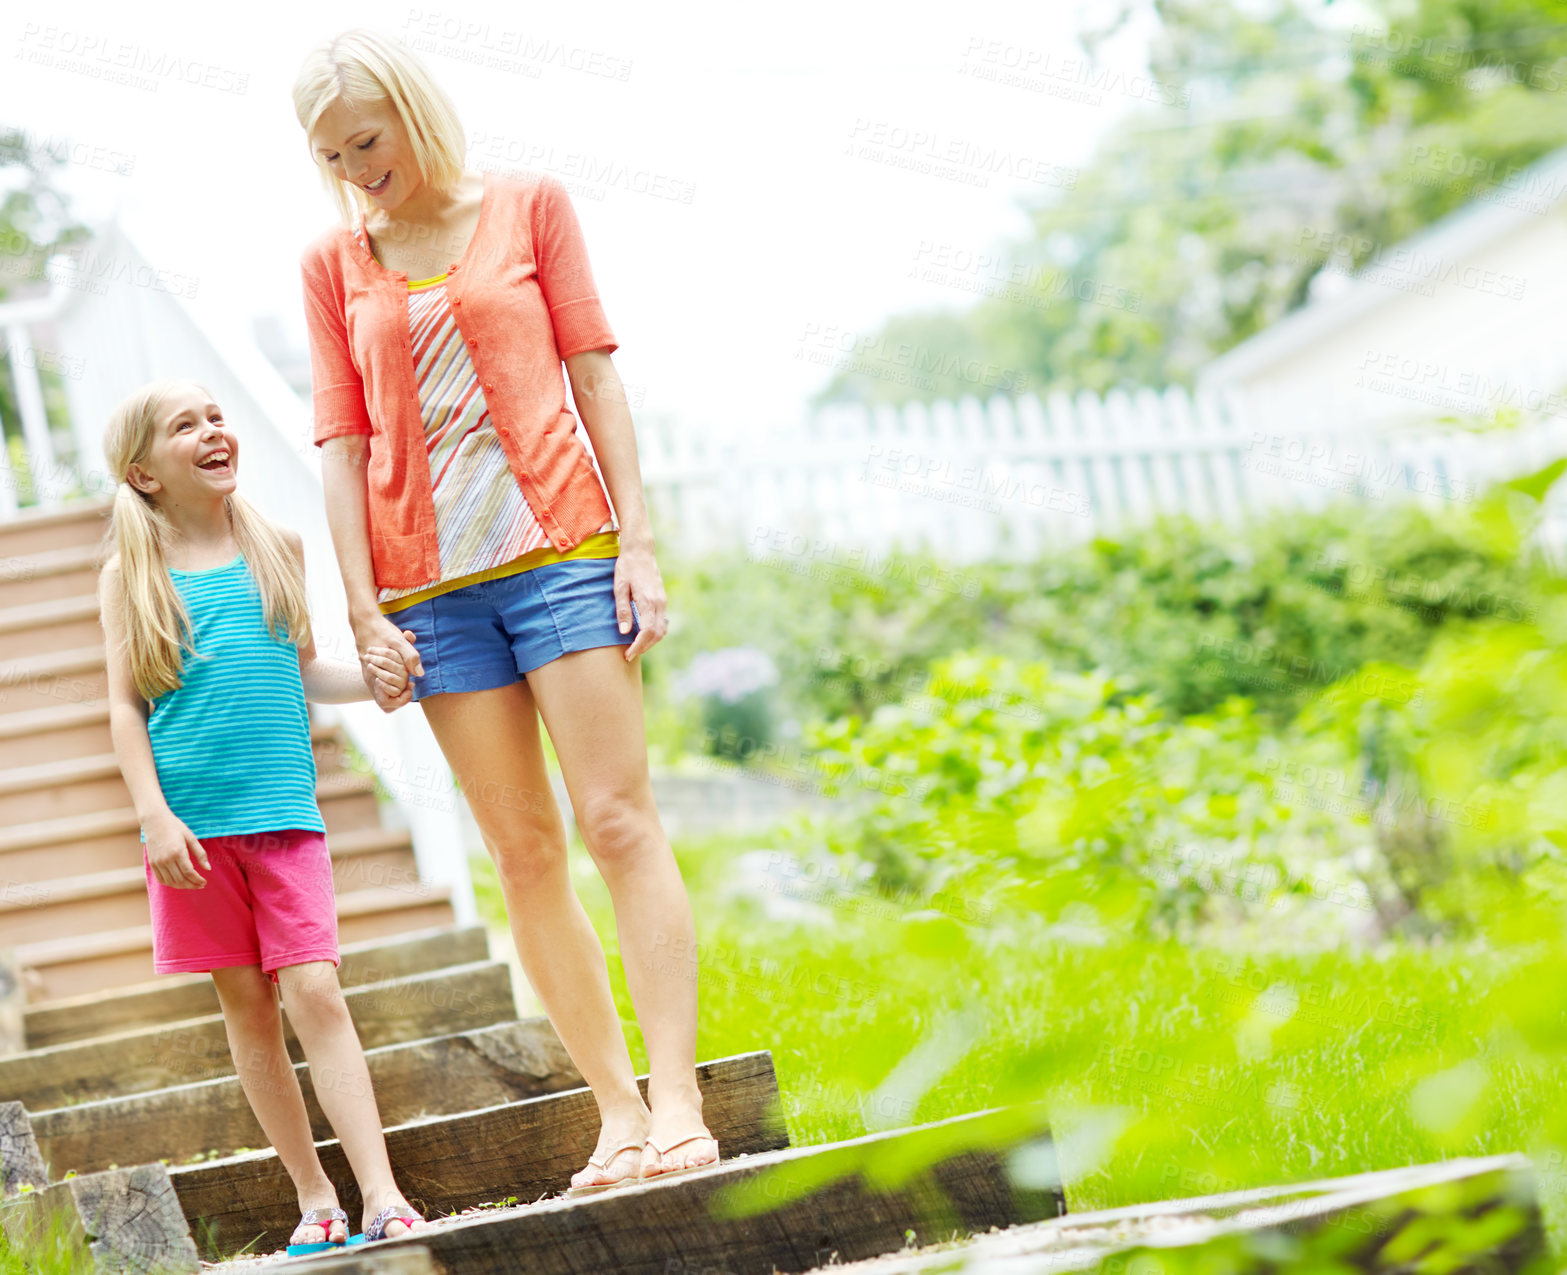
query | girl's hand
(388,677)
(637,580)
(171,849)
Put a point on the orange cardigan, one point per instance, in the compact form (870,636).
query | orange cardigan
(524,299)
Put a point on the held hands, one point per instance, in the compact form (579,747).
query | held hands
(172,849)
(387,660)
(387,676)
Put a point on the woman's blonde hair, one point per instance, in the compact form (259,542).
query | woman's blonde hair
(154,617)
(359,67)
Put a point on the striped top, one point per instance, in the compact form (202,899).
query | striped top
(484,524)
(232,745)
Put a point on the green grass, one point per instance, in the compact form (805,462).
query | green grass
(1169,1071)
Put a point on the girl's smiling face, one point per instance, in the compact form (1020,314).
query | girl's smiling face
(368,148)
(194,456)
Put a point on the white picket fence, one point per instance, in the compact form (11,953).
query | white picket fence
(1013,476)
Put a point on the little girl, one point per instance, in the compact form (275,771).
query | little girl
(216,753)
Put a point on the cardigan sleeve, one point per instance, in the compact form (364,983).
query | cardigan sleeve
(564,276)
(336,388)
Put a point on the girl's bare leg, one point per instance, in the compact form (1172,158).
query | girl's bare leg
(338,1072)
(255,1035)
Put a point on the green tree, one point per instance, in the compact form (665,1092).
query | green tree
(1297,140)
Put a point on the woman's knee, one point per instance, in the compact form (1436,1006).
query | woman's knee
(528,860)
(618,830)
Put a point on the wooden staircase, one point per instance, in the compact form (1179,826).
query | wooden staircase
(73,891)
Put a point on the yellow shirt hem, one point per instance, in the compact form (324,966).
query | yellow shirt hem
(602,544)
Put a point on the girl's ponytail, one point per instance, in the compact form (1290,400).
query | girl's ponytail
(154,619)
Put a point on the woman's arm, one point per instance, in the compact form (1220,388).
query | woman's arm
(601,402)
(328,681)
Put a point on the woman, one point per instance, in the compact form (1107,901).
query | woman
(474,538)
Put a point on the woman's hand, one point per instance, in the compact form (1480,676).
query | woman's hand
(382,644)
(171,849)
(637,580)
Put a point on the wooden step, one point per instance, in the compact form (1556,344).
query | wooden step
(88,785)
(46,575)
(80,844)
(94,902)
(57,968)
(1346,1224)
(57,624)
(460,998)
(30,531)
(521,1149)
(437,1076)
(78,731)
(856,1199)
(175,996)
(376,1259)
(70,676)
(55,733)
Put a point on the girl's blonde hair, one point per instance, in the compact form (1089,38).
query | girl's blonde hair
(155,620)
(359,67)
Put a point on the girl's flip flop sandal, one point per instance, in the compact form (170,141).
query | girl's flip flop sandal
(323,1218)
(377,1228)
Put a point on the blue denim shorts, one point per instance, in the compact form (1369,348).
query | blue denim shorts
(496,632)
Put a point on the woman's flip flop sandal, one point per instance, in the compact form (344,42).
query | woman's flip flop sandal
(323,1218)
(675,1173)
(593,1188)
(377,1228)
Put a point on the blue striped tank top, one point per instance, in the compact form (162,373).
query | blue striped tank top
(232,745)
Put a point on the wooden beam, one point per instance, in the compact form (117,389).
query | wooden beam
(460,998)
(128,1219)
(525,1149)
(439,1075)
(372,1259)
(21,1163)
(1350,1223)
(844,1201)
(176,997)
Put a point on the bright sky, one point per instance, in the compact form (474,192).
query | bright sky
(714,155)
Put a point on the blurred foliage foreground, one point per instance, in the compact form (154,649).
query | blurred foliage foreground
(1226,939)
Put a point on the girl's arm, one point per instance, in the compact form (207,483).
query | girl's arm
(328,681)
(169,843)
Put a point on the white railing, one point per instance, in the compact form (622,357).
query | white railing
(111,321)
(1016,475)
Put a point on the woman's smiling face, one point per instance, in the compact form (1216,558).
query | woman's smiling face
(367,147)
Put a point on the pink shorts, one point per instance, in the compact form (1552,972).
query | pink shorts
(268,901)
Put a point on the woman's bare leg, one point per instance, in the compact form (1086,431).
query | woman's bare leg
(491,741)
(591,703)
